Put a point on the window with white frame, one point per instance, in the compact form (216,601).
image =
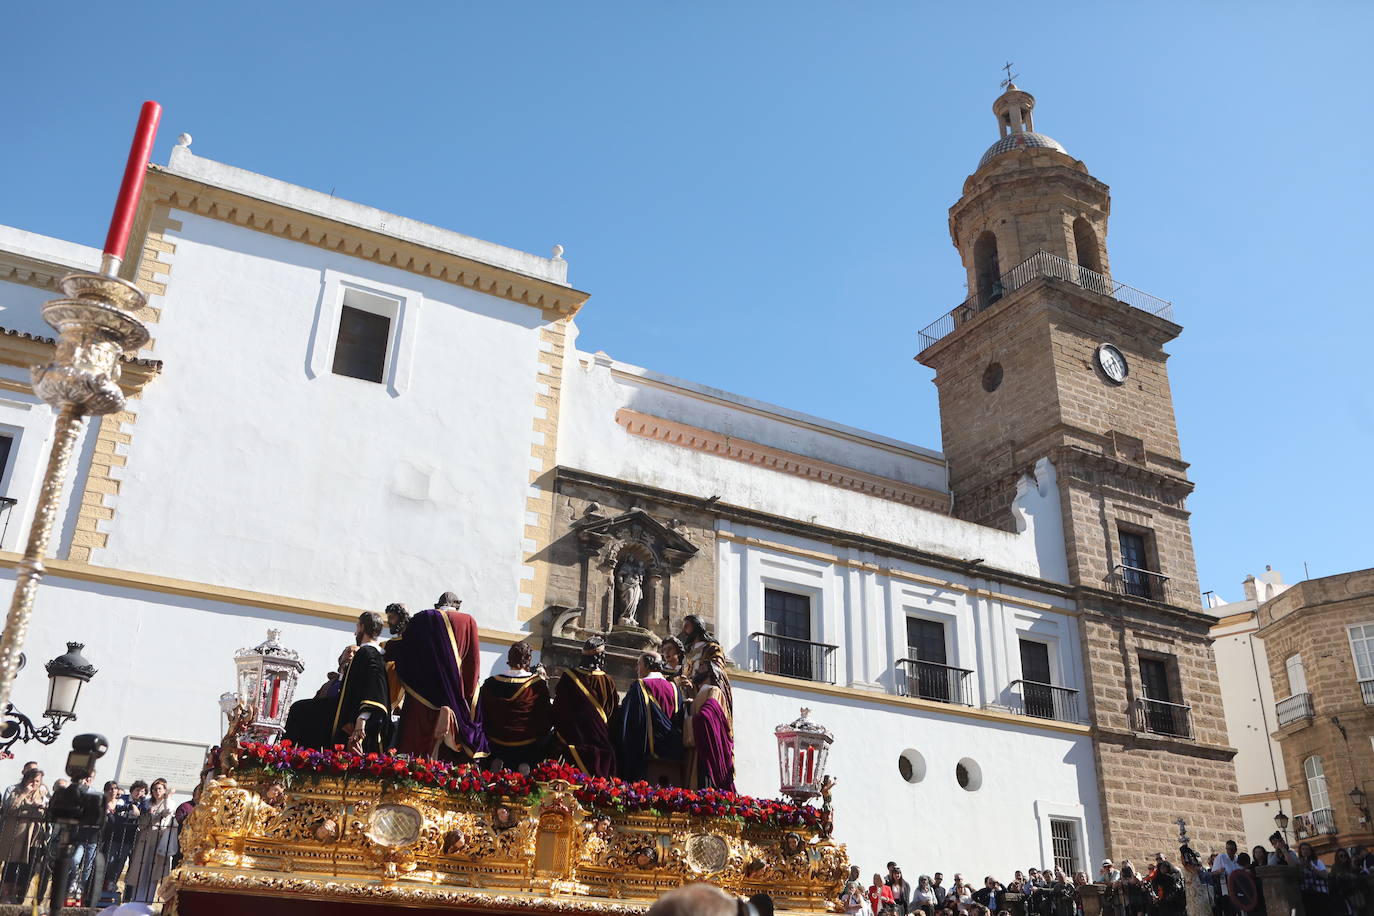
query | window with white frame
(363,340)
(786,645)
(1362,648)
(1315,773)
(1297,675)
(1064,844)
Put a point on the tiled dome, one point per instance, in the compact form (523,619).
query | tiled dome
(1020,140)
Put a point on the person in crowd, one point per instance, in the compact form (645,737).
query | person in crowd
(516,711)
(853,896)
(937,885)
(710,733)
(923,897)
(1347,886)
(648,727)
(85,840)
(362,717)
(901,889)
(584,703)
(22,832)
(1283,854)
(1362,859)
(960,893)
(695,900)
(1167,886)
(1242,891)
(1060,896)
(1222,866)
(1133,893)
(309,722)
(437,662)
(762,904)
(154,845)
(990,894)
(117,832)
(880,899)
(1259,856)
(1313,883)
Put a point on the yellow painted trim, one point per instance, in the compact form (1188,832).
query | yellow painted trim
(104,575)
(949,709)
(894,573)
(1280,795)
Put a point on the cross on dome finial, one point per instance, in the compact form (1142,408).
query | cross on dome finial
(1007,83)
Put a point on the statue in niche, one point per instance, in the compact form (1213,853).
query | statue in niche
(629,587)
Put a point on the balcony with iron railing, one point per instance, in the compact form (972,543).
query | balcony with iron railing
(1045,701)
(1367,692)
(1042,264)
(1135,582)
(1294,709)
(1321,822)
(933,681)
(790,657)
(1162,718)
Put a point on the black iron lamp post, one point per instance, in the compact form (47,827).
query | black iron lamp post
(67,674)
(1281,822)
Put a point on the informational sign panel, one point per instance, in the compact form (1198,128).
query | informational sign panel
(178,762)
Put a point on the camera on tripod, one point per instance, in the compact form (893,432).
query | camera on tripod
(75,804)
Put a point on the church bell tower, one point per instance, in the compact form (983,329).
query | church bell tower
(1049,357)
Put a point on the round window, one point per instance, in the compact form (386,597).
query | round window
(969,775)
(992,377)
(912,766)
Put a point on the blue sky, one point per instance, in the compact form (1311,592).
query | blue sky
(755,194)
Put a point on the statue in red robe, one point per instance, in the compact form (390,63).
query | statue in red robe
(583,705)
(647,729)
(517,711)
(437,660)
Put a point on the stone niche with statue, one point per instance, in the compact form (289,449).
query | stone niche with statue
(627,570)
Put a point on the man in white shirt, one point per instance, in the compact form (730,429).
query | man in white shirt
(1223,866)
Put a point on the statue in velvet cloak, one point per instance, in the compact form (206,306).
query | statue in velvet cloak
(362,718)
(701,651)
(583,706)
(310,722)
(647,728)
(517,712)
(709,735)
(437,661)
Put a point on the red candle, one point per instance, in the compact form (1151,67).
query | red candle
(276,697)
(810,763)
(122,222)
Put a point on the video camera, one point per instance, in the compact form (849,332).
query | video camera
(75,804)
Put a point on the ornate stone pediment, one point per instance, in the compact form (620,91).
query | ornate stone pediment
(608,538)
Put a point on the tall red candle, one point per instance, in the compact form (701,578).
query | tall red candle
(131,188)
(276,697)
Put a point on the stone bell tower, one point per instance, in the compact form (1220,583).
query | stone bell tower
(1049,357)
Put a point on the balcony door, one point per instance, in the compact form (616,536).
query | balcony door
(1133,561)
(786,646)
(925,642)
(1036,678)
(1297,675)
(1160,714)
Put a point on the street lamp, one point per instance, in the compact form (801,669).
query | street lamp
(66,675)
(95,326)
(1357,797)
(1281,822)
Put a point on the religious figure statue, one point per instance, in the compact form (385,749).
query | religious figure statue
(310,722)
(396,619)
(647,730)
(702,650)
(709,733)
(437,662)
(517,712)
(362,718)
(583,705)
(629,585)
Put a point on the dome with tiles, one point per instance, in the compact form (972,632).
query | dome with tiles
(1020,140)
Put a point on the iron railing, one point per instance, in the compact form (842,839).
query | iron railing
(1291,709)
(1162,718)
(1321,822)
(933,681)
(1043,264)
(1367,692)
(1141,583)
(1045,701)
(789,657)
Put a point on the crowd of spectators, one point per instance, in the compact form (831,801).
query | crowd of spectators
(1231,885)
(1034,892)
(133,848)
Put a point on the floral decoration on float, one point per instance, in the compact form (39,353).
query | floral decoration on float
(287,762)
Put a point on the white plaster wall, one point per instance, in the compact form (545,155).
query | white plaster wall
(20,307)
(590,439)
(1027,776)
(247,471)
(863,612)
(162,662)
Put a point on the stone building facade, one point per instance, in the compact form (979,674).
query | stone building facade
(1050,358)
(1319,639)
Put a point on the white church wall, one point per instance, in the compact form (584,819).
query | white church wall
(254,466)
(20,303)
(162,662)
(1026,777)
(595,389)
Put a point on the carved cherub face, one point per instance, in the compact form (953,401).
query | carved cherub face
(502,817)
(453,841)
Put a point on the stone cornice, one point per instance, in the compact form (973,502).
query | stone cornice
(784,462)
(1181,746)
(18,348)
(832,536)
(1084,464)
(1095,603)
(16,268)
(181,193)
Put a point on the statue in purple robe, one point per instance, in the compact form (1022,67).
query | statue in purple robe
(647,729)
(583,706)
(437,661)
(709,735)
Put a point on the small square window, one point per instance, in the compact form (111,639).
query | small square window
(360,351)
(6,446)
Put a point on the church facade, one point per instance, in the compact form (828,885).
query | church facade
(342,408)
